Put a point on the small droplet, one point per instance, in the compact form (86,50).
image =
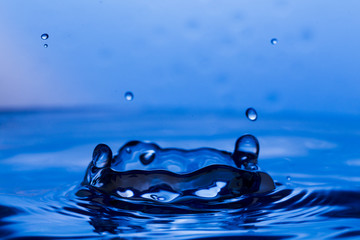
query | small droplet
(147,157)
(129,96)
(44,36)
(288,178)
(102,156)
(251,114)
(45,45)
(128,150)
(274,41)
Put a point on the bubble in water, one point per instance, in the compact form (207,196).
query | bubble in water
(246,152)
(129,96)
(102,156)
(44,36)
(251,114)
(45,45)
(274,41)
(147,157)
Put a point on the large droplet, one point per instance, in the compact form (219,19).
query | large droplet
(147,157)
(44,36)
(274,41)
(102,156)
(246,152)
(129,96)
(251,114)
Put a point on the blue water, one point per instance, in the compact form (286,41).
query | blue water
(314,160)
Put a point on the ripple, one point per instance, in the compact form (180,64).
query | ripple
(263,213)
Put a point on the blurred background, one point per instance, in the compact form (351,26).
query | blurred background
(176,54)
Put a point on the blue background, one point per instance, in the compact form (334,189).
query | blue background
(181,54)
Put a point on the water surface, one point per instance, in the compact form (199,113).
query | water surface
(314,160)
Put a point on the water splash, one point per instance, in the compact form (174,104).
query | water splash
(145,171)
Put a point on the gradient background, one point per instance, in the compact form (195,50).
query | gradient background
(181,54)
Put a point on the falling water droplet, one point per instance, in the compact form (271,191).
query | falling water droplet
(147,157)
(45,45)
(274,41)
(102,156)
(44,36)
(129,96)
(251,114)
(246,152)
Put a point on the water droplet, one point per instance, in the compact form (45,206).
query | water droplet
(274,41)
(251,114)
(129,96)
(44,36)
(147,157)
(128,150)
(246,152)
(102,156)
(45,45)
(288,178)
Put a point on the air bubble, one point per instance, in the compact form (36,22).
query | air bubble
(274,41)
(147,157)
(129,96)
(251,114)
(44,36)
